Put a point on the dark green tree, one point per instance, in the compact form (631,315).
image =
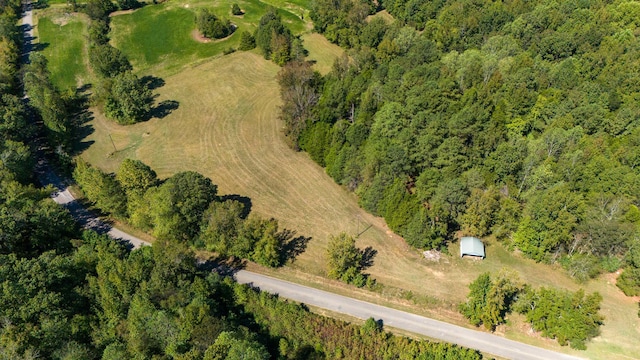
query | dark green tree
(211,26)
(235,10)
(177,206)
(345,260)
(107,60)
(45,97)
(129,100)
(99,9)
(247,41)
(273,37)
(101,189)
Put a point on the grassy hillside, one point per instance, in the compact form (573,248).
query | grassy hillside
(321,51)
(63,38)
(160,38)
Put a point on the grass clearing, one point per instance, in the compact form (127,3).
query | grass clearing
(63,35)
(226,127)
(323,52)
(384,15)
(159,39)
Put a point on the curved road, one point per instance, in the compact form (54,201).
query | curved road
(482,341)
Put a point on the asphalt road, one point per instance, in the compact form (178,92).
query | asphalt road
(485,342)
(482,341)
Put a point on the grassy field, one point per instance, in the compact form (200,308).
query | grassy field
(63,38)
(159,38)
(226,127)
(321,51)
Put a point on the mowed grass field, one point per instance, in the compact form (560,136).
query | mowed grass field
(226,127)
(63,37)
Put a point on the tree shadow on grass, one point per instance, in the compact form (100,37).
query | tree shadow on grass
(152,82)
(368,254)
(292,245)
(163,109)
(79,109)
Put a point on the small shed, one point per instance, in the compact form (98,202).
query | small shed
(471,246)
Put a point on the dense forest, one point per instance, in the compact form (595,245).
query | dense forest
(506,118)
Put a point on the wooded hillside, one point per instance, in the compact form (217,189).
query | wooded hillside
(509,118)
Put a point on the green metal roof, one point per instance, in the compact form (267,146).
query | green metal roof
(471,246)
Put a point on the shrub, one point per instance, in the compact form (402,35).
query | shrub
(211,26)
(247,41)
(235,10)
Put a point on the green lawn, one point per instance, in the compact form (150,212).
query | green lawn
(63,36)
(159,38)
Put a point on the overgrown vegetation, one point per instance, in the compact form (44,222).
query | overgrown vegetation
(513,120)
(346,262)
(570,318)
(276,41)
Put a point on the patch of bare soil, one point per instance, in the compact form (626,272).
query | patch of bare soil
(195,34)
(122,12)
(432,255)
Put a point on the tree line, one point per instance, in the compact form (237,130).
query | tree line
(507,119)
(572,318)
(125,98)
(97,300)
(186,208)
(72,295)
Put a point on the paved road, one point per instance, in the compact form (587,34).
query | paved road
(484,342)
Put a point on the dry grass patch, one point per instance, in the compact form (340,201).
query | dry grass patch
(321,51)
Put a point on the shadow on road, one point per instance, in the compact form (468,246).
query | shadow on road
(225,266)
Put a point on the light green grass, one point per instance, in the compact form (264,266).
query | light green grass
(159,38)
(63,36)
(384,15)
(321,51)
(226,127)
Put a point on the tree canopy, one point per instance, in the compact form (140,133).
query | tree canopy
(507,119)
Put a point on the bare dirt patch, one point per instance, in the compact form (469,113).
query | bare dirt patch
(195,34)
(122,12)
